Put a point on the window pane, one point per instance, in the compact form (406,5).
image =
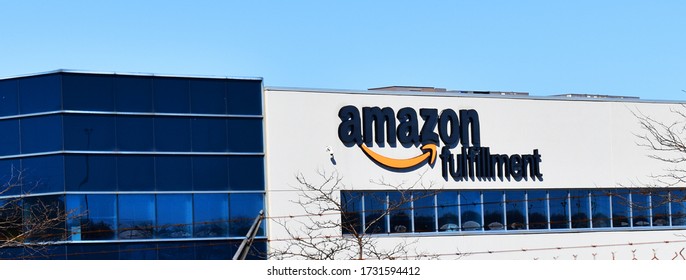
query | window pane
(659,206)
(493,210)
(516,210)
(214,250)
(399,211)
(133,94)
(11,212)
(40,94)
(245,135)
(244,208)
(209,135)
(134,133)
(41,134)
(559,209)
(620,208)
(600,208)
(171,95)
(89,132)
(538,210)
(93,252)
(351,217)
(246,173)
(211,215)
(9,142)
(9,105)
(39,211)
(88,92)
(91,173)
(678,199)
(94,216)
(640,209)
(210,173)
(43,174)
(136,216)
(174,216)
(446,204)
(9,176)
(172,134)
(136,173)
(424,212)
(138,251)
(176,251)
(207,96)
(580,208)
(173,173)
(470,209)
(244,97)
(374,210)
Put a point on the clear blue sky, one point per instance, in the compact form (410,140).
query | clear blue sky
(543,47)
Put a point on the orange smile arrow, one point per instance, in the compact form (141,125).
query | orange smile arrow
(429,153)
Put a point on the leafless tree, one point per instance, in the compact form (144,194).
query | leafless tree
(329,231)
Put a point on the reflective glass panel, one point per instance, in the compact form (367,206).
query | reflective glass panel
(89,132)
(678,203)
(538,209)
(174,216)
(210,173)
(515,210)
(470,209)
(620,208)
(43,174)
(136,173)
(170,95)
(42,218)
(133,94)
(374,210)
(40,94)
(173,173)
(9,103)
(424,212)
(213,250)
(245,135)
(399,211)
(659,206)
(91,172)
(600,208)
(493,210)
(447,207)
(559,209)
(176,250)
(580,208)
(211,215)
(136,216)
(138,251)
(244,97)
(93,216)
(207,96)
(172,134)
(88,92)
(9,176)
(246,173)
(640,209)
(209,135)
(134,133)
(9,142)
(41,134)
(244,208)
(11,212)
(99,251)
(351,217)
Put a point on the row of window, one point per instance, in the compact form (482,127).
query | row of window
(511,210)
(82,172)
(185,250)
(135,216)
(120,93)
(84,132)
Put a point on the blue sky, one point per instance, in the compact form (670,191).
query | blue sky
(633,48)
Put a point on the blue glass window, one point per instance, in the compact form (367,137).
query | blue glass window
(580,208)
(538,209)
(210,173)
(470,209)
(214,250)
(493,210)
(9,176)
(11,212)
(620,208)
(101,251)
(176,251)
(211,215)
(88,92)
(172,134)
(138,251)
(640,209)
(43,174)
(170,95)
(136,216)
(42,220)
(134,133)
(374,210)
(91,173)
(559,209)
(399,211)
(9,142)
(9,105)
(89,132)
(424,212)
(678,203)
(244,97)
(659,204)
(600,208)
(174,216)
(246,173)
(173,173)
(245,135)
(351,217)
(39,94)
(515,208)
(93,216)
(209,135)
(41,134)
(447,206)
(133,94)
(244,208)
(207,96)
(136,173)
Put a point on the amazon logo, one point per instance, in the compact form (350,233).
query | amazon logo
(425,130)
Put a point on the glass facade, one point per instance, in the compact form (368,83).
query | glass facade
(174,166)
